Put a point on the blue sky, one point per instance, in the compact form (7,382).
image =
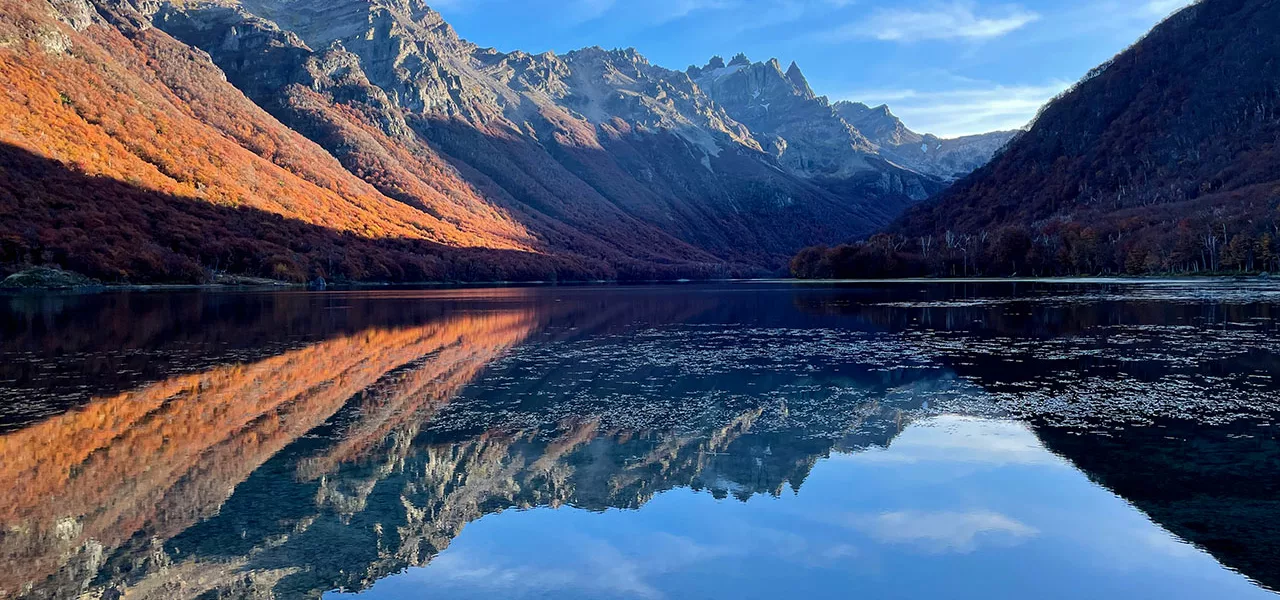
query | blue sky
(950,67)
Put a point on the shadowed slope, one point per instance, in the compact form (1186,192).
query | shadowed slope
(1161,160)
(116,231)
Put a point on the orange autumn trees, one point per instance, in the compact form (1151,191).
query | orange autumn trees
(130,158)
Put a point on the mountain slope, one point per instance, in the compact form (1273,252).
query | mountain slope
(119,145)
(1161,160)
(363,139)
(600,141)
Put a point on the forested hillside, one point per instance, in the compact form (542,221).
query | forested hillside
(167,141)
(127,156)
(1163,160)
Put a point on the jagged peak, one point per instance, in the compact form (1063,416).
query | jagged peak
(851,106)
(716,62)
(860,110)
(618,57)
(863,115)
(740,59)
(794,74)
(797,78)
(312,21)
(587,51)
(629,52)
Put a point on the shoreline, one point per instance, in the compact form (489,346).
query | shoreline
(267,285)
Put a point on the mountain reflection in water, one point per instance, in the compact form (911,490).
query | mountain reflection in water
(910,439)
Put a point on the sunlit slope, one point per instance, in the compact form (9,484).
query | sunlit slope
(111,97)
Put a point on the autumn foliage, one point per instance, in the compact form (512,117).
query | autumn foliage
(127,155)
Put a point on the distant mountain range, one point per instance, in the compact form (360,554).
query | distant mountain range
(1162,160)
(364,140)
(947,159)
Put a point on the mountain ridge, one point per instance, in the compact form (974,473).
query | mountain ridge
(946,158)
(1159,161)
(594,164)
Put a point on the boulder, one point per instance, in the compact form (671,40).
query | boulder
(45,278)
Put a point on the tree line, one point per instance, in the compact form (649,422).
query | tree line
(1055,249)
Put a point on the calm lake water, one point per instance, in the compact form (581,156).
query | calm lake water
(910,440)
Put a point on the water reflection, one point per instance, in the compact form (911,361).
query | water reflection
(285,445)
(150,463)
(940,513)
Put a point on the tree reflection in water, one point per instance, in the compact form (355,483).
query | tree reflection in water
(354,435)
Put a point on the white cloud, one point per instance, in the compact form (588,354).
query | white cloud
(966,110)
(651,12)
(957,20)
(602,570)
(582,11)
(670,10)
(955,439)
(939,532)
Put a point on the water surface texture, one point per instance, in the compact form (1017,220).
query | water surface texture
(908,440)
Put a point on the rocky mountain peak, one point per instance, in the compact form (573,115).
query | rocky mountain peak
(617,56)
(799,127)
(79,14)
(798,79)
(597,158)
(320,22)
(925,153)
(877,123)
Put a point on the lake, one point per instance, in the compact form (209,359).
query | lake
(990,440)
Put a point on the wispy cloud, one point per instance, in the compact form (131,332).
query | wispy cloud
(957,20)
(581,11)
(651,12)
(958,440)
(946,532)
(670,10)
(967,110)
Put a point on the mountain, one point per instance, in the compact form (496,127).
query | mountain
(948,159)
(1162,160)
(364,140)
